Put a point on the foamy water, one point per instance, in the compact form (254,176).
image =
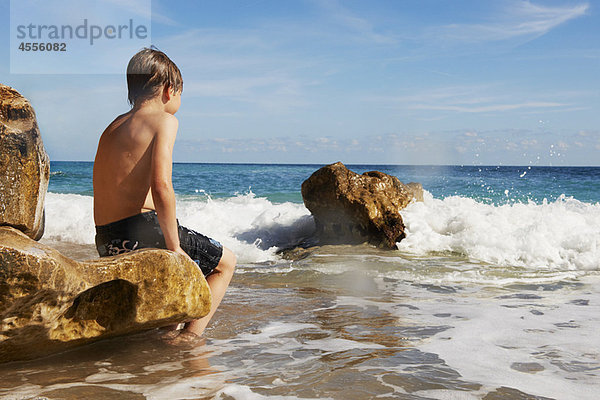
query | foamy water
(254,228)
(559,235)
(562,235)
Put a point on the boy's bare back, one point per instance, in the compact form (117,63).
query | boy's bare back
(134,199)
(124,163)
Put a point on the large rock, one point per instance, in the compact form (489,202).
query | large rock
(352,208)
(24,165)
(49,302)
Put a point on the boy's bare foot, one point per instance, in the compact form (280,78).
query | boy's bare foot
(167,335)
(184,337)
(170,331)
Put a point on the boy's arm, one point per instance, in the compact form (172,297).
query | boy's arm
(161,184)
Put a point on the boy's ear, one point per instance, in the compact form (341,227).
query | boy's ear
(167,93)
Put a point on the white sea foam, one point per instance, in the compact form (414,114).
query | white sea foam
(539,342)
(242,392)
(491,337)
(559,235)
(563,235)
(69,218)
(253,227)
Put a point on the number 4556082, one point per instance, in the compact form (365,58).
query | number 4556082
(42,46)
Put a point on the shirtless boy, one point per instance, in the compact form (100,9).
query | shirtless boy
(134,201)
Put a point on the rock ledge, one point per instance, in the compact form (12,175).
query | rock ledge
(49,302)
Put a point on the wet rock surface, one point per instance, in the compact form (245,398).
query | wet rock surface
(349,208)
(24,165)
(49,302)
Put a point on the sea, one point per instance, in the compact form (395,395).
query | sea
(493,294)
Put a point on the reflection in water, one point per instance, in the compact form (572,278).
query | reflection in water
(130,368)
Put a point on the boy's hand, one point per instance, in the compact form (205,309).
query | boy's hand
(180,251)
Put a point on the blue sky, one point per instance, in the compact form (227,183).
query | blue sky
(506,82)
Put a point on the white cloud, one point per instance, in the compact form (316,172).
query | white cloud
(487,108)
(474,99)
(361,28)
(467,94)
(241,87)
(519,19)
(249,66)
(520,147)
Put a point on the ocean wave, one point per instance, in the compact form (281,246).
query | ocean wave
(559,235)
(562,235)
(252,227)
(69,218)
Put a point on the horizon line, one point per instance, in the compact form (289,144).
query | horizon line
(363,163)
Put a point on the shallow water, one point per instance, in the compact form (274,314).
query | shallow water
(494,293)
(353,322)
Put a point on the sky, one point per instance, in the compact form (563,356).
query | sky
(499,82)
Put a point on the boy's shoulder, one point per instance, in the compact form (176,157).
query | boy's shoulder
(158,121)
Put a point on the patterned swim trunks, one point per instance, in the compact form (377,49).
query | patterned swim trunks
(143,231)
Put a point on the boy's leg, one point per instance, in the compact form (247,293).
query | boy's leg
(218,281)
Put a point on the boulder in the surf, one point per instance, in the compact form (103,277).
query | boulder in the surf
(24,165)
(349,208)
(49,302)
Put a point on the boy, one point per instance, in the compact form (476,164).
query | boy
(134,201)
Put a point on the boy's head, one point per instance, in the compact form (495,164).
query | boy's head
(148,72)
